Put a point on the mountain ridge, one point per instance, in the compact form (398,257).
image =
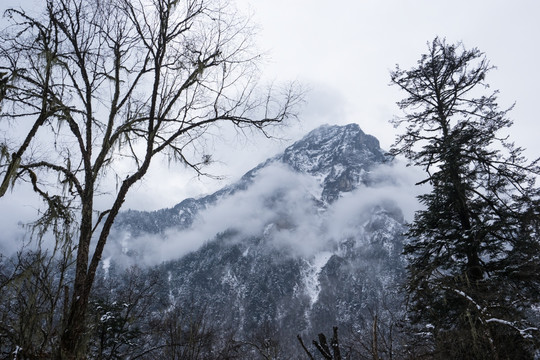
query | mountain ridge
(309,239)
(350,154)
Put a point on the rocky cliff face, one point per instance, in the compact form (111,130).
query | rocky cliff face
(311,245)
(340,157)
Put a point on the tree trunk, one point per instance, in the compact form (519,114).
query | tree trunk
(375,343)
(72,339)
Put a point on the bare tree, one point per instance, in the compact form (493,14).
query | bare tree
(32,297)
(322,346)
(264,343)
(104,85)
(123,303)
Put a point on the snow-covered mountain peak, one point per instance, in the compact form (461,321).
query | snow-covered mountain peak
(333,146)
(338,156)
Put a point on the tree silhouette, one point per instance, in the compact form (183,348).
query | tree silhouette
(103,87)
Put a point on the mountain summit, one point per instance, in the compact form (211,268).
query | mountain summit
(340,156)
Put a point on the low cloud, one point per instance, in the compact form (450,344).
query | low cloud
(280,204)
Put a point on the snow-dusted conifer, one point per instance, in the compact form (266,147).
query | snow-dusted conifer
(473,250)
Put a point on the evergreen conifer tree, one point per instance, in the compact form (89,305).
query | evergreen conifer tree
(473,250)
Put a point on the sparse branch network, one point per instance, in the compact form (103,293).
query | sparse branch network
(116,83)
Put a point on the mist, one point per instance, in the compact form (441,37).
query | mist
(281,205)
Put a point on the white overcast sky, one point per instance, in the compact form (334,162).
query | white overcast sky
(342,51)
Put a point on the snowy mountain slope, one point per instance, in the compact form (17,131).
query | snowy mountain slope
(309,239)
